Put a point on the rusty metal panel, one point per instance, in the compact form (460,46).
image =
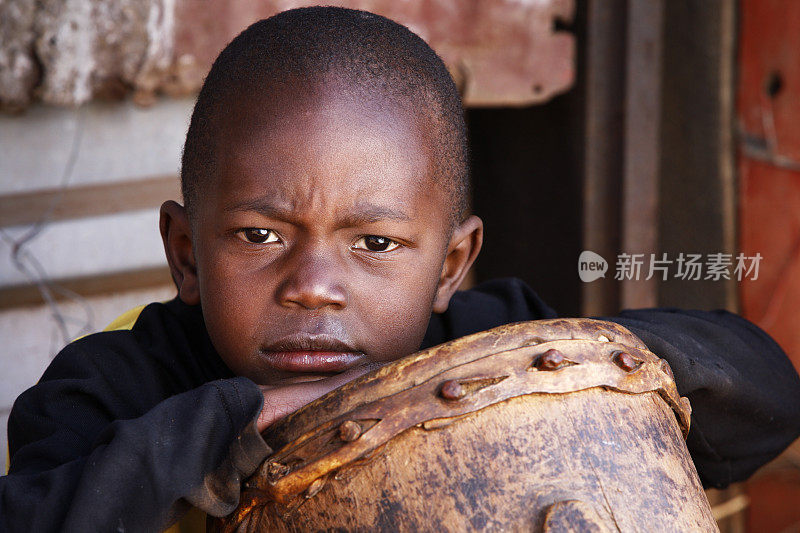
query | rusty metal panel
(774,491)
(769,211)
(768,110)
(65,52)
(769,75)
(769,163)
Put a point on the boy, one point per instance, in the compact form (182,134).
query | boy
(325,180)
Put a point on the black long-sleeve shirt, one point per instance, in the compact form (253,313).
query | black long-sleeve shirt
(128,429)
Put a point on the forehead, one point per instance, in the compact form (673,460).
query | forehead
(327,149)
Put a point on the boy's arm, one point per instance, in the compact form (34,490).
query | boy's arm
(97,447)
(137,474)
(744,391)
(745,394)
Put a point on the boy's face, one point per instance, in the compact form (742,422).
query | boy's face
(323,242)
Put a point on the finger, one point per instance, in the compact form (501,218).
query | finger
(281,401)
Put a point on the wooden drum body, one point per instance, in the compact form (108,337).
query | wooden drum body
(554,425)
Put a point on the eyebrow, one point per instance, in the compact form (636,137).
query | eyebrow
(261,206)
(364,213)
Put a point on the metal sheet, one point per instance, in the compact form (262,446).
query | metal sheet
(66,52)
(769,165)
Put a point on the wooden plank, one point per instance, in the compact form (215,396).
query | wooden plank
(87,200)
(642,144)
(21,295)
(605,77)
(697,197)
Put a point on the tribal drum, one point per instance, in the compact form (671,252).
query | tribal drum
(549,425)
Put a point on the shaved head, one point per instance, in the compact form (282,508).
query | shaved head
(366,55)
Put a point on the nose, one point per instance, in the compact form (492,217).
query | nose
(312,281)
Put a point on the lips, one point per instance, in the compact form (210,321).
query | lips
(308,353)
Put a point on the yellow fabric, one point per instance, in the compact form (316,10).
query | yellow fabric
(195,520)
(126,320)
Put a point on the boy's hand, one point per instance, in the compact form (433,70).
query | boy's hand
(281,400)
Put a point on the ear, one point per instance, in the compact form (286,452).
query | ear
(464,246)
(176,232)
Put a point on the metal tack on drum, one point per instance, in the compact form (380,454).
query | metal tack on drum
(552,359)
(349,431)
(452,390)
(625,361)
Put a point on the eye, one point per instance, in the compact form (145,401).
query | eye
(258,235)
(376,243)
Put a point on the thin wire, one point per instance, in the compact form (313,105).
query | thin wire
(771,154)
(29,265)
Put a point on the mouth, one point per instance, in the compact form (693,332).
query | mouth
(306,353)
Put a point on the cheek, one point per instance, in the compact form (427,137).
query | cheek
(231,303)
(396,310)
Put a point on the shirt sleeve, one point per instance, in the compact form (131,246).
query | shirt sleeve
(138,473)
(744,391)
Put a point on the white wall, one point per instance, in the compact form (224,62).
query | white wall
(118,142)
(31,338)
